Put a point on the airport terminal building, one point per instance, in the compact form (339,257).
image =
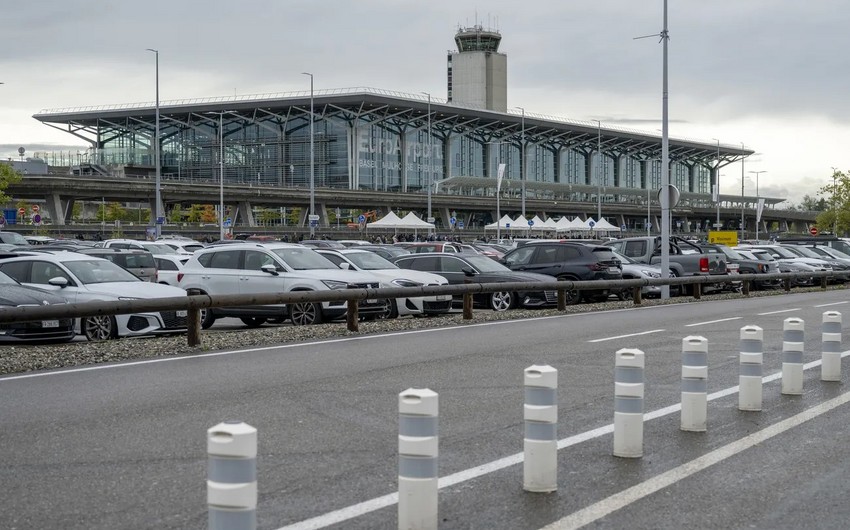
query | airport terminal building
(371,140)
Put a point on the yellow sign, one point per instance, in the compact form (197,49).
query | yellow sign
(723,237)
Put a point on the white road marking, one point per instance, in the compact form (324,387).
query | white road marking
(833,303)
(777,312)
(713,322)
(356,510)
(626,336)
(637,492)
(314,343)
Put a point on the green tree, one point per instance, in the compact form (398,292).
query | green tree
(835,201)
(176,215)
(8,176)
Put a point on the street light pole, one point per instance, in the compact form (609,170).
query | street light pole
(599,171)
(221,176)
(157,209)
(743,225)
(311,218)
(757,200)
(522,160)
(430,162)
(717,185)
(834,204)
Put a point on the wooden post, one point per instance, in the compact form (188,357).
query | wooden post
(193,322)
(467,301)
(823,282)
(352,315)
(697,291)
(637,296)
(562,300)
(745,288)
(787,284)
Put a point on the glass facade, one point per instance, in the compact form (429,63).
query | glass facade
(366,152)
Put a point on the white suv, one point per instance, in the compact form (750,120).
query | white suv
(254,268)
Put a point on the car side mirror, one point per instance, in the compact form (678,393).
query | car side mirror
(345,265)
(270,269)
(58,281)
(468,272)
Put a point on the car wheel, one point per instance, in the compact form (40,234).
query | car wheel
(207,318)
(305,313)
(390,310)
(253,322)
(99,328)
(502,300)
(572,296)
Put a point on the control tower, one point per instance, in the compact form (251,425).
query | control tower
(477,72)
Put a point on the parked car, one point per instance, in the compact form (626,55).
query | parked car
(840,266)
(80,278)
(457,268)
(167,268)
(13,238)
(364,260)
(181,245)
(13,294)
(321,243)
(739,264)
(388,252)
(439,246)
(568,261)
(253,268)
(139,262)
(632,270)
(152,247)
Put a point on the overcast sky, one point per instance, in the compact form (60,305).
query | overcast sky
(773,74)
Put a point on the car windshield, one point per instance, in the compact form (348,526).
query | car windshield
(99,271)
(485,264)
(302,259)
(805,252)
(762,255)
(783,252)
(829,251)
(623,258)
(14,238)
(158,248)
(730,253)
(369,261)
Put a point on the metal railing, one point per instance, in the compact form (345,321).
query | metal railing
(194,303)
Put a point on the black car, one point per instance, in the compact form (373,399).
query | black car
(456,268)
(388,252)
(13,294)
(568,260)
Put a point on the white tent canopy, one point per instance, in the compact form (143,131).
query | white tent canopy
(391,220)
(520,223)
(604,226)
(411,220)
(504,222)
(538,223)
(548,224)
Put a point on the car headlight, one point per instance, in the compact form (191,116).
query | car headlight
(651,274)
(402,282)
(335,284)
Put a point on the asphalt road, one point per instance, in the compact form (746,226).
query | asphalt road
(123,446)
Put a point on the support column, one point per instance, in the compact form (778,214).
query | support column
(322,210)
(55,209)
(443,214)
(244,213)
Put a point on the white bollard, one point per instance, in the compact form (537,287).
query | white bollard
(418,411)
(694,384)
(793,341)
(628,403)
(830,368)
(540,443)
(232,476)
(752,359)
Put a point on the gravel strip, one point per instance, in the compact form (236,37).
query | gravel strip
(21,358)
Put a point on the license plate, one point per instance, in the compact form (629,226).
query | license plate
(371,301)
(613,270)
(182,313)
(443,297)
(50,323)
